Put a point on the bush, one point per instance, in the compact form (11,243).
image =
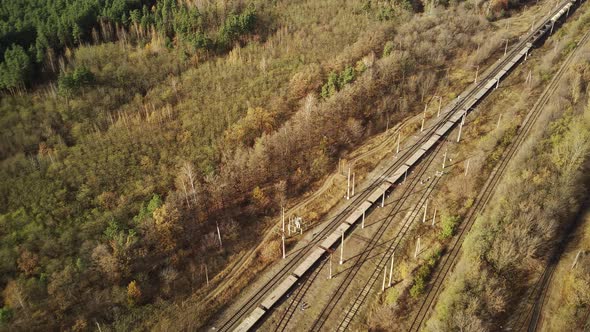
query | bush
(388,48)
(5,315)
(68,84)
(448,225)
(337,81)
(423,275)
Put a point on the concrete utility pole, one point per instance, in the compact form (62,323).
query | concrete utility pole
(363,222)
(283,208)
(417,248)
(391,269)
(206,275)
(330,276)
(383,200)
(399,134)
(384,278)
(552,25)
(433,217)
(219,235)
(284,253)
(439,105)
(506,47)
(476,73)
(499,118)
(467,167)
(423,118)
(342,249)
(425,209)
(576,259)
(353,184)
(461,127)
(444,159)
(497,83)
(526,55)
(348,184)
(289,226)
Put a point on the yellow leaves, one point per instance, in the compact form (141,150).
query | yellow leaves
(13,295)
(164,215)
(146,163)
(133,293)
(260,198)
(270,252)
(167,225)
(257,121)
(526,174)
(541,177)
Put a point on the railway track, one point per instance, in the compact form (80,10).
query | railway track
(255,299)
(373,243)
(297,299)
(486,194)
(394,244)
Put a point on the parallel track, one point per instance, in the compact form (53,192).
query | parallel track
(373,243)
(487,192)
(369,285)
(299,294)
(328,229)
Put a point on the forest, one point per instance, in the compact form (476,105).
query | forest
(34,33)
(133,130)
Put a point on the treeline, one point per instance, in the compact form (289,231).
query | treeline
(510,243)
(34,33)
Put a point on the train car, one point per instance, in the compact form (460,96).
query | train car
(313,257)
(399,174)
(343,228)
(330,240)
(457,116)
(251,320)
(481,93)
(471,102)
(414,158)
(491,82)
(428,144)
(357,213)
(376,195)
(278,292)
(444,128)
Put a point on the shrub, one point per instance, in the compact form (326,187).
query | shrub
(5,315)
(448,225)
(423,274)
(337,81)
(388,48)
